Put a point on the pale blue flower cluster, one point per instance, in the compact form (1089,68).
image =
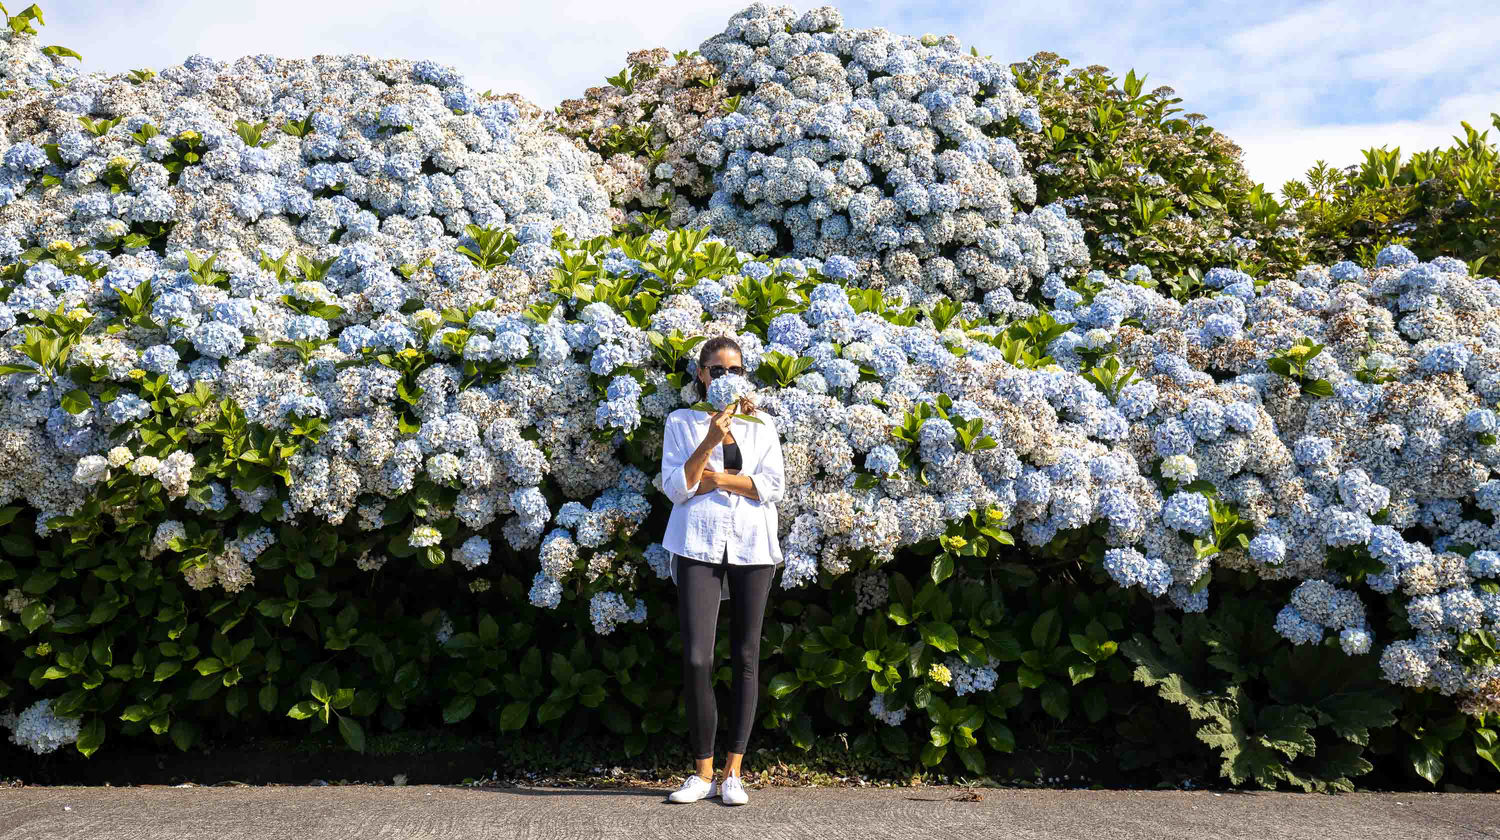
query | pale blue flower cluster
(1188,511)
(881,712)
(622,406)
(475,552)
(967,679)
(1268,549)
(608,609)
(1129,567)
(882,151)
(26,63)
(1316,605)
(37,729)
(728,389)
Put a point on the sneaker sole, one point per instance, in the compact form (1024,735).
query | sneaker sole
(710,795)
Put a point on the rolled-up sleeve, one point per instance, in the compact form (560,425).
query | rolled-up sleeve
(768,479)
(675,451)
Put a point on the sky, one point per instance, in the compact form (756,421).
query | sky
(1291,82)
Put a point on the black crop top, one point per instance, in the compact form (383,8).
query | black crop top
(732,459)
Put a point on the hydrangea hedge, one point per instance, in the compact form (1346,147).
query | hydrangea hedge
(334,390)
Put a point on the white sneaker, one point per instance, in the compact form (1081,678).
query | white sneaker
(693,789)
(734,792)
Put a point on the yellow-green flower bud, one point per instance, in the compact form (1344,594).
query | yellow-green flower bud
(940,674)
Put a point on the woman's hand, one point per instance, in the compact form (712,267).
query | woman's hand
(718,424)
(708,482)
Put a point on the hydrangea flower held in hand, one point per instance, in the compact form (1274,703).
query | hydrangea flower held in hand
(728,389)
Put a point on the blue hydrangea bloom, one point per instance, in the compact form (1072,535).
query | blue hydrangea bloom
(1188,511)
(1395,255)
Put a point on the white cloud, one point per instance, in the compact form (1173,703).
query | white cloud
(1275,154)
(1460,44)
(1323,27)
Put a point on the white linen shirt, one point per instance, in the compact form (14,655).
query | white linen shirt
(712,525)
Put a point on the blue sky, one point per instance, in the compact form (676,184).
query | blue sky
(1290,82)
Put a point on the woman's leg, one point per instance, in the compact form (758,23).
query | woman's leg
(698,615)
(749,588)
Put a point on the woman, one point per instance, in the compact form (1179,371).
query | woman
(724,477)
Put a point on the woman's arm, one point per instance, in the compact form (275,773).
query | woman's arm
(766,484)
(694,468)
(675,451)
(683,462)
(735,483)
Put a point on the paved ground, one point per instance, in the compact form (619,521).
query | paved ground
(457,813)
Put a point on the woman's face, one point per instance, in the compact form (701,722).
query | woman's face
(726,356)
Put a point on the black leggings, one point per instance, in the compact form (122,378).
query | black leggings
(698,611)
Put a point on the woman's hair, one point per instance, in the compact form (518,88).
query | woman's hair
(706,352)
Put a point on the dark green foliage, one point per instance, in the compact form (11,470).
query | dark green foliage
(1274,711)
(1440,202)
(1104,137)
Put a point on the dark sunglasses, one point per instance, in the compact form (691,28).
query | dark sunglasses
(716,371)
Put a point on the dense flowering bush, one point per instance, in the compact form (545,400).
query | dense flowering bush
(1442,201)
(889,149)
(262,313)
(25,63)
(892,151)
(1150,185)
(402,140)
(644,126)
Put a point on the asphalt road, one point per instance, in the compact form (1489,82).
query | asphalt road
(458,813)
